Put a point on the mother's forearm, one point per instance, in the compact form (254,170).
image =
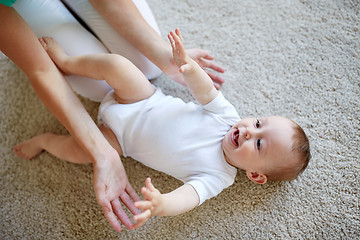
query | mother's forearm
(126,19)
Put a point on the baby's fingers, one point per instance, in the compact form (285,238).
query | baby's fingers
(176,39)
(177,31)
(149,185)
(143,204)
(184,68)
(146,193)
(141,218)
(145,215)
(172,41)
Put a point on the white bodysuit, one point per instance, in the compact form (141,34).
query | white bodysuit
(177,138)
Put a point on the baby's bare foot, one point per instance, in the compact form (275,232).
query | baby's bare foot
(29,148)
(55,52)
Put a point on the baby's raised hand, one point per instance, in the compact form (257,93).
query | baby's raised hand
(151,205)
(179,54)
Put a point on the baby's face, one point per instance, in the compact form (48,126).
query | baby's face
(258,145)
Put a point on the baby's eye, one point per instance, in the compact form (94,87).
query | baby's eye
(258,144)
(257,124)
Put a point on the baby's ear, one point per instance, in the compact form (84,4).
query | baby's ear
(256,177)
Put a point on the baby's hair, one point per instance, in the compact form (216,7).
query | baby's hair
(300,157)
(301,147)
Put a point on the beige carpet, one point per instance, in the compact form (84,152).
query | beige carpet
(299,59)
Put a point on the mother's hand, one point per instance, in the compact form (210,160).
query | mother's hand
(110,184)
(205,60)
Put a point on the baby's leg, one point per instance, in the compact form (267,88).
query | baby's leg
(52,18)
(129,82)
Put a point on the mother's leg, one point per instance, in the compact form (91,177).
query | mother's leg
(111,38)
(64,147)
(52,18)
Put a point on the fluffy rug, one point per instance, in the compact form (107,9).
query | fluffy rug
(298,59)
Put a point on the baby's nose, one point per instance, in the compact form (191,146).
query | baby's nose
(245,133)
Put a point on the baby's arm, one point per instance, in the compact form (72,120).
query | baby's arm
(179,201)
(200,84)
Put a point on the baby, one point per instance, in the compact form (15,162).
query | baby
(202,145)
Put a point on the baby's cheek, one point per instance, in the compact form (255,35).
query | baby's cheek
(246,153)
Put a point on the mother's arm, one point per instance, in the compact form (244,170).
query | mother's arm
(20,44)
(125,18)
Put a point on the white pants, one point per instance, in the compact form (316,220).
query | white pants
(52,18)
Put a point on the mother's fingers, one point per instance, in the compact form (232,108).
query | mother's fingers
(196,53)
(112,219)
(120,213)
(211,65)
(129,189)
(216,78)
(129,202)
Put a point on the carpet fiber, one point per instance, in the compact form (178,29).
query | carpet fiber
(298,59)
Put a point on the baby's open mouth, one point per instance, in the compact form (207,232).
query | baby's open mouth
(236,137)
